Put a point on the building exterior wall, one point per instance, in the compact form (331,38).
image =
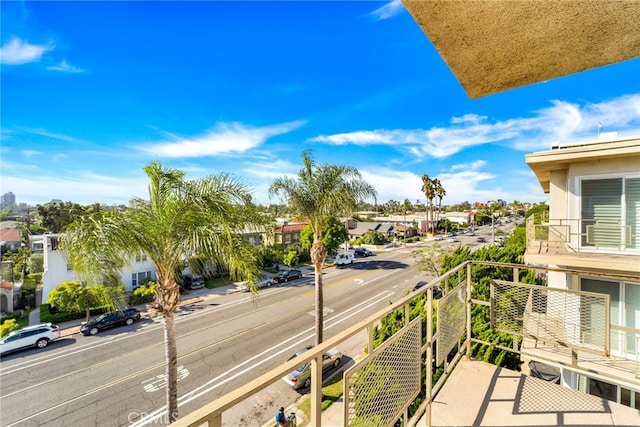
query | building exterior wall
(565,176)
(57,271)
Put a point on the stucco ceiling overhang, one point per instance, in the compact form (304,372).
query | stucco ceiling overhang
(496,45)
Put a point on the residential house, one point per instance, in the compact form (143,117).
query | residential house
(56,269)
(10,239)
(288,234)
(593,232)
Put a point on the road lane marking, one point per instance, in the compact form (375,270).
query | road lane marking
(220,380)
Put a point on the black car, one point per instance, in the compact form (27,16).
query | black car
(110,320)
(437,292)
(285,276)
(481,240)
(362,252)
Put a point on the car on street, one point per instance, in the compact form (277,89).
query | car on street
(301,377)
(437,292)
(287,275)
(110,320)
(32,336)
(453,239)
(364,252)
(481,239)
(263,282)
(438,238)
(344,258)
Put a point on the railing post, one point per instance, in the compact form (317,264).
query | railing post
(429,360)
(469,311)
(316,391)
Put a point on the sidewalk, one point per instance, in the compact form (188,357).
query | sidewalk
(192,297)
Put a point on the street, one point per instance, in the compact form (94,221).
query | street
(117,377)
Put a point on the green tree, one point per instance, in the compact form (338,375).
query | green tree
(334,234)
(321,192)
(35,263)
(291,258)
(56,216)
(206,217)
(75,297)
(373,238)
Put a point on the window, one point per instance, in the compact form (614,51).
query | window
(610,213)
(625,311)
(134,280)
(141,257)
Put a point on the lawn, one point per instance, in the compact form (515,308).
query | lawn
(330,393)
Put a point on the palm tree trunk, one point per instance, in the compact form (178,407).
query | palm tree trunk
(318,255)
(319,303)
(172,366)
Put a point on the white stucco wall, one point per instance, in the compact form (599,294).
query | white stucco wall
(56,271)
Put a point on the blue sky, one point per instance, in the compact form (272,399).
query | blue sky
(93,91)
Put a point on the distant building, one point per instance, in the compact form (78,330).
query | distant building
(8,201)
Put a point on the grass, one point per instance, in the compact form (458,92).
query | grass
(217,282)
(330,393)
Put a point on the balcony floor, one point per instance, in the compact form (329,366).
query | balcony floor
(479,394)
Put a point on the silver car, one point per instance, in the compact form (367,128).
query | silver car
(301,377)
(263,282)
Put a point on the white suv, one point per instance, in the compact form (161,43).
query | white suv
(38,336)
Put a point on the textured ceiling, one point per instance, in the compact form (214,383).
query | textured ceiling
(495,45)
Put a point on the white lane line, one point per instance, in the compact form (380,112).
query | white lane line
(271,353)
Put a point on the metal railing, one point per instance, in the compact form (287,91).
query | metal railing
(586,234)
(382,387)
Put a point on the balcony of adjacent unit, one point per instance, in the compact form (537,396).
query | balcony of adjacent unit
(420,371)
(611,244)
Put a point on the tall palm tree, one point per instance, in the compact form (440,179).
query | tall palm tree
(205,217)
(429,192)
(321,192)
(440,192)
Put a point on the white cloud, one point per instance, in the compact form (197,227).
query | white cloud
(65,67)
(562,121)
(224,138)
(30,153)
(83,188)
(17,52)
(389,10)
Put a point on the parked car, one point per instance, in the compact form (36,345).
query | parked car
(285,276)
(192,281)
(301,377)
(453,239)
(439,238)
(32,336)
(437,292)
(344,258)
(110,320)
(481,239)
(362,252)
(263,282)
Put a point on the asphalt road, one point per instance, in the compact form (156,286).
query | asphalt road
(117,377)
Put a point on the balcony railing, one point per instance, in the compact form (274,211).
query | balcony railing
(380,389)
(582,235)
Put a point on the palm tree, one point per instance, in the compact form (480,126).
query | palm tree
(440,192)
(204,217)
(319,193)
(429,192)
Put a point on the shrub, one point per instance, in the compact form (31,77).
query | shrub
(143,294)
(7,326)
(15,315)
(27,296)
(46,316)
